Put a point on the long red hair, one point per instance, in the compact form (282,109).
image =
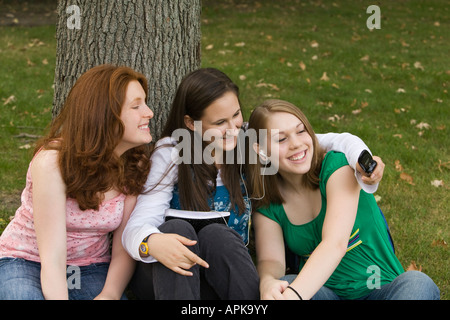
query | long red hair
(87,130)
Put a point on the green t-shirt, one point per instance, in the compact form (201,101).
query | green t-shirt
(369,262)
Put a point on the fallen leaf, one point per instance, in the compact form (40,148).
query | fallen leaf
(445,165)
(418,65)
(324,77)
(356,111)
(364,104)
(9,99)
(25,146)
(413,267)
(439,243)
(209,47)
(377,198)
(407,178)
(239,44)
(314,44)
(365,58)
(401,90)
(437,183)
(335,118)
(398,166)
(423,125)
(302,65)
(242,77)
(398,135)
(268,85)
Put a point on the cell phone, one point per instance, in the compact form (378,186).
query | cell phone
(366,162)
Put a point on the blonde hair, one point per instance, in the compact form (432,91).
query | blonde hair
(257,182)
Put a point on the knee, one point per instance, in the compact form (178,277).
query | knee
(179,226)
(21,289)
(220,236)
(420,286)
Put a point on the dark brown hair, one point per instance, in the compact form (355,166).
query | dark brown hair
(86,132)
(196,92)
(259,120)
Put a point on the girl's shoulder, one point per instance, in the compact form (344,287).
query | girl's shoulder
(332,161)
(45,159)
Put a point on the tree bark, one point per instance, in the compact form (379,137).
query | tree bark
(159,38)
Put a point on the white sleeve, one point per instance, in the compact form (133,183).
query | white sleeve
(351,146)
(148,214)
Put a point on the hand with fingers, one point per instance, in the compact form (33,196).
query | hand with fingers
(273,289)
(377,174)
(172,251)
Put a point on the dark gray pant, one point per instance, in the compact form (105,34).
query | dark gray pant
(231,274)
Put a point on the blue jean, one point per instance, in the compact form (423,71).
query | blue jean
(410,285)
(20,279)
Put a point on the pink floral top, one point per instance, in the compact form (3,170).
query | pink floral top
(87,231)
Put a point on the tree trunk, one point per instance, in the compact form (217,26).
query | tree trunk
(159,38)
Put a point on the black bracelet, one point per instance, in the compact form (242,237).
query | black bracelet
(298,295)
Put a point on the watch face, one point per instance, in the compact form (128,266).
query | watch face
(143,248)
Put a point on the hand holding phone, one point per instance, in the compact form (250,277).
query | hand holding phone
(366,162)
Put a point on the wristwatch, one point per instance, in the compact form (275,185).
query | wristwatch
(143,247)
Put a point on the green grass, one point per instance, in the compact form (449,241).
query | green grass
(262,46)
(27,69)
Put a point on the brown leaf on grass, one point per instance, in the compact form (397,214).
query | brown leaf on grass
(413,267)
(443,165)
(268,85)
(302,65)
(407,178)
(9,100)
(418,65)
(398,166)
(365,58)
(439,243)
(324,77)
(423,125)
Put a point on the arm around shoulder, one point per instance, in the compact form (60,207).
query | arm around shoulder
(148,214)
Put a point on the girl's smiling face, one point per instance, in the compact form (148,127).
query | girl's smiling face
(135,116)
(290,145)
(221,122)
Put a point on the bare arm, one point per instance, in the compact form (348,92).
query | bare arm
(49,211)
(122,265)
(270,253)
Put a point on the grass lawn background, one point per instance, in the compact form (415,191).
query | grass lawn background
(388,86)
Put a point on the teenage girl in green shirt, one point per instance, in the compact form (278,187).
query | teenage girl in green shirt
(315,206)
